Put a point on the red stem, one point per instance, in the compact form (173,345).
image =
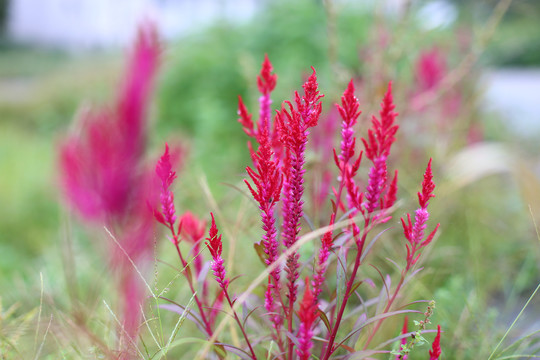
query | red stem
(350,283)
(392,299)
(253,356)
(189,280)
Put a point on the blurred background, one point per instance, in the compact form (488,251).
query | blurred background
(466,77)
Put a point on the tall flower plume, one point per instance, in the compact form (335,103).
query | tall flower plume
(414,233)
(435,351)
(266,191)
(377,148)
(293,124)
(346,162)
(213,241)
(266,82)
(103,172)
(307,315)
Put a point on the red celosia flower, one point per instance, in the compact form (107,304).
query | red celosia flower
(193,228)
(415,233)
(380,139)
(427,187)
(216,247)
(293,124)
(382,134)
(245,118)
(266,82)
(435,351)
(164,172)
(103,171)
(349,113)
(326,244)
(267,181)
(307,315)
(430,69)
(101,167)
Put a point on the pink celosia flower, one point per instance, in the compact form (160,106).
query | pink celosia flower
(380,139)
(345,161)
(104,176)
(415,233)
(293,124)
(435,351)
(165,173)
(102,167)
(326,244)
(266,82)
(193,228)
(307,315)
(430,69)
(267,182)
(216,247)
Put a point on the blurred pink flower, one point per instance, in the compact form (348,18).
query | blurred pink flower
(104,176)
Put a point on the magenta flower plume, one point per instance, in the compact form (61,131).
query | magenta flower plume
(266,191)
(345,161)
(293,124)
(307,315)
(192,229)
(104,175)
(414,233)
(266,82)
(427,187)
(166,175)
(213,241)
(383,131)
(435,351)
(101,168)
(349,113)
(245,118)
(327,242)
(380,139)
(430,69)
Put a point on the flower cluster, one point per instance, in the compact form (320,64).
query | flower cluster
(276,181)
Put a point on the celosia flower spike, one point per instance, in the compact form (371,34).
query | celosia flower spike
(309,105)
(435,351)
(391,194)
(382,134)
(167,176)
(266,81)
(427,187)
(380,139)
(327,242)
(245,118)
(307,315)
(266,191)
(213,241)
(349,113)
(414,233)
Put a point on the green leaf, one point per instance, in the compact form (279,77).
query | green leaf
(341,284)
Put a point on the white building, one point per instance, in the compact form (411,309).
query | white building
(79,24)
